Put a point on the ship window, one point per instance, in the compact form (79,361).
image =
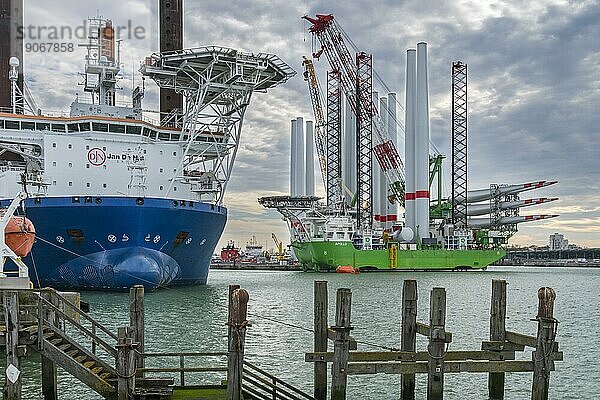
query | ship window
(54,163)
(146,132)
(160,188)
(87,184)
(1,123)
(73,127)
(12,125)
(70,183)
(104,148)
(87,147)
(28,125)
(58,128)
(54,145)
(164,136)
(117,128)
(174,154)
(104,166)
(42,126)
(134,130)
(70,165)
(104,185)
(174,188)
(161,152)
(87,165)
(84,126)
(70,146)
(96,126)
(53,183)
(161,170)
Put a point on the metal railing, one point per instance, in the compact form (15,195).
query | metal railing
(265,386)
(181,367)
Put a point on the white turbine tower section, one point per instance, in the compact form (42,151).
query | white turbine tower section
(349,150)
(409,137)
(383,202)
(376,173)
(422,144)
(301,154)
(392,129)
(294,159)
(310,159)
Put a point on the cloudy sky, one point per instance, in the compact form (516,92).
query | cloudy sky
(534,88)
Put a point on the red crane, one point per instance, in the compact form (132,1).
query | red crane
(333,46)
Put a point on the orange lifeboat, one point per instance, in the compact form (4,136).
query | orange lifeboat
(19,235)
(347,269)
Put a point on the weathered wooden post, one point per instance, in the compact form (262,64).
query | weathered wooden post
(12,377)
(125,363)
(320,339)
(437,344)
(238,313)
(341,346)
(136,321)
(498,334)
(49,373)
(409,334)
(546,335)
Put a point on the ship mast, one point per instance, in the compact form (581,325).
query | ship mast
(103,61)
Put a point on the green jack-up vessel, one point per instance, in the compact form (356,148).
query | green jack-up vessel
(361,228)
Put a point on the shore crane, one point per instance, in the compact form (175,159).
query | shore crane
(279,246)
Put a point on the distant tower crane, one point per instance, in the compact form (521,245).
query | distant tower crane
(356,83)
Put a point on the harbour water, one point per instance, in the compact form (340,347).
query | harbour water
(193,319)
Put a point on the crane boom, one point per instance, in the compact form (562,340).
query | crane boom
(340,59)
(320,123)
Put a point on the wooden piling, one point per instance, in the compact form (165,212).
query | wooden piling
(12,387)
(49,372)
(498,334)
(437,344)
(49,385)
(125,364)
(341,347)
(409,334)
(136,321)
(320,338)
(238,313)
(546,335)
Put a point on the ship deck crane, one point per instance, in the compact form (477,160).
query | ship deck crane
(340,59)
(316,99)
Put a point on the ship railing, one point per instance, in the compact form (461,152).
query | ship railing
(206,363)
(63,317)
(262,385)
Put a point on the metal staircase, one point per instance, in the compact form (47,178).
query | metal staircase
(71,339)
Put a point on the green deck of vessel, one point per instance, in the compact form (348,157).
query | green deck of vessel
(200,393)
(327,255)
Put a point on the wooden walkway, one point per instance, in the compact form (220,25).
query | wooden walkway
(115,365)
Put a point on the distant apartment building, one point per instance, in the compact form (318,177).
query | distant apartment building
(558,242)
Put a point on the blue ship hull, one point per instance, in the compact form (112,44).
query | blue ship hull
(113,243)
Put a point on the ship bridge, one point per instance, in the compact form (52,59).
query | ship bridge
(217,84)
